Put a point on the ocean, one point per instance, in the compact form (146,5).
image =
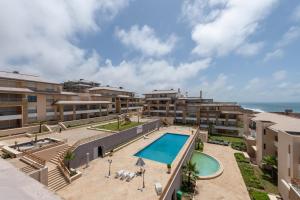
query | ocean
(271,107)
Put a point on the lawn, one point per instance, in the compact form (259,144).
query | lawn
(257,186)
(226,138)
(114,126)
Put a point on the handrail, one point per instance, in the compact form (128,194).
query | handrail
(35,158)
(166,189)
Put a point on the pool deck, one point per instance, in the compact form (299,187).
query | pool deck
(94,185)
(230,185)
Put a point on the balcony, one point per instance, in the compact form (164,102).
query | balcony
(10,117)
(294,189)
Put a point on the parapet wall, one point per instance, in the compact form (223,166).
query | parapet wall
(16,131)
(80,122)
(99,147)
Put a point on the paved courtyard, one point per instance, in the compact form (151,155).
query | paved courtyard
(94,185)
(230,185)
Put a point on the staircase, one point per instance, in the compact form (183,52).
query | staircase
(54,159)
(28,169)
(56,180)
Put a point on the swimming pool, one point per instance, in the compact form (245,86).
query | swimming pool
(207,166)
(164,149)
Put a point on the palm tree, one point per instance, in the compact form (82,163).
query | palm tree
(68,157)
(270,163)
(210,128)
(190,171)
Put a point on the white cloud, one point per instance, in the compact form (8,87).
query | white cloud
(254,83)
(290,36)
(144,39)
(278,53)
(223,26)
(250,49)
(279,75)
(296,13)
(40,36)
(145,75)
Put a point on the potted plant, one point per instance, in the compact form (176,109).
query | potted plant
(169,168)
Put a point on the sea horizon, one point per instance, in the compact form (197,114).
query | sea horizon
(271,106)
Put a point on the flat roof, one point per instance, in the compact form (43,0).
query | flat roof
(25,77)
(15,90)
(69,93)
(162,92)
(15,185)
(281,122)
(109,88)
(81,102)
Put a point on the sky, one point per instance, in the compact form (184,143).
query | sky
(233,50)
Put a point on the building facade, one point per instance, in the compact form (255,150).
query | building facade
(28,99)
(225,117)
(271,134)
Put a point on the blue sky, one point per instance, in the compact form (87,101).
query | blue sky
(232,50)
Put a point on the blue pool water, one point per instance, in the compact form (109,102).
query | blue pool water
(164,149)
(205,164)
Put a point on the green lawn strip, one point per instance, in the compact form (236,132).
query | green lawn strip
(114,126)
(270,187)
(252,180)
(226,138)
(258,195)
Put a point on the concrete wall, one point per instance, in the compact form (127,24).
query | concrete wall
(178,178)
(40,175)
(15,131)
(110,142)
(87,121)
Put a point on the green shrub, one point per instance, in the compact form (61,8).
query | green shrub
(247,171)
(257,195)
(240,146)
(241,158)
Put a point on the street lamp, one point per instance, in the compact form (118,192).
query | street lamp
(109,164)
(143,177)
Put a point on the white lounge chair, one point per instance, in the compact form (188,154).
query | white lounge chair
(145,137)
(130,176)
(119,173)
(124,175)
(158,188)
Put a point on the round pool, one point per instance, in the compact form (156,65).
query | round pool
(207,166)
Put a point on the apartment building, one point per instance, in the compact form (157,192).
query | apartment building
(277,135)
(123,101)
(225,117)
(27,99)
(80,86)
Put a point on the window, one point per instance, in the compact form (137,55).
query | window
(264,146)
(32,99)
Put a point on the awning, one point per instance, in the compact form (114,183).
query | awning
(81,102)
(14,90)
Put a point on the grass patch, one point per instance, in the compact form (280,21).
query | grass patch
(114,126)
(226,138)
(258,187)
(240,146)
(250,177)
(269,184)
(258,195)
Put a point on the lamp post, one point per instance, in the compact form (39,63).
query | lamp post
(144,177)
(109,164)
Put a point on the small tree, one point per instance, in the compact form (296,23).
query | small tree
(210,128)
(69,157)
(270,163)
(190,172)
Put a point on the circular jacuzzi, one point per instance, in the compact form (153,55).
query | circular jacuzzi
(207,166)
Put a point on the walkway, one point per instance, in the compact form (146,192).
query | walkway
(230,185)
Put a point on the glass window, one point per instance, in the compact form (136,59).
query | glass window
(32,99)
